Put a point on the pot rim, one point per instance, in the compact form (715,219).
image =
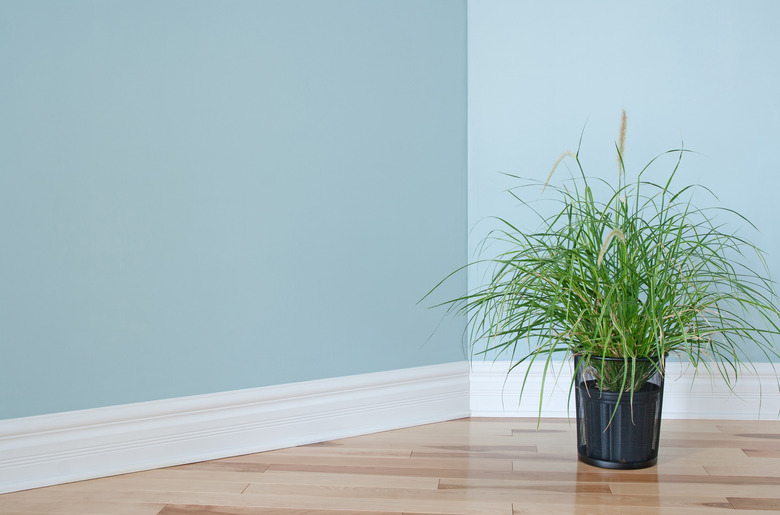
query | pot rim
(622,360)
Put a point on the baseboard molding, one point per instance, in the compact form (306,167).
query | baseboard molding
(688,394)
(65,447)
(60,448)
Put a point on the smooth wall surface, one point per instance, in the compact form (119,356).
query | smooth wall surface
(700,73)
(200,196)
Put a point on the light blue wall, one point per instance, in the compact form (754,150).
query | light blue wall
(706,72)
(200,196)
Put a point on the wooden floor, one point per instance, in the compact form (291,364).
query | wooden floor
(470,466)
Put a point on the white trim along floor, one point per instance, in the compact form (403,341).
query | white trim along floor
(64,447)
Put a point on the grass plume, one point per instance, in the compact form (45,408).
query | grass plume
(622,142)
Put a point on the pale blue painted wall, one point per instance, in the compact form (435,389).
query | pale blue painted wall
(188,191)
(199,196)
(703,71)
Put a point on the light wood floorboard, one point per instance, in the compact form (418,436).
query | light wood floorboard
(477,466)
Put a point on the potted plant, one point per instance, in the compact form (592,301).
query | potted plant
(619,277)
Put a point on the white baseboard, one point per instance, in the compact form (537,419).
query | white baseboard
(496,394)
(64,447)
(755,396)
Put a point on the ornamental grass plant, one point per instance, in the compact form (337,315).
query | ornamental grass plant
(633,271)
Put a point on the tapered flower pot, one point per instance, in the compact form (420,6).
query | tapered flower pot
(614,430)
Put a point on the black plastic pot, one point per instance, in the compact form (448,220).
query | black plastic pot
(617,431)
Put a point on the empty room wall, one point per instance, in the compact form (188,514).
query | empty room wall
(201,196)
(698,74)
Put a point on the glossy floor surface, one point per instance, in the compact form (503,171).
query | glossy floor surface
(470,466)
